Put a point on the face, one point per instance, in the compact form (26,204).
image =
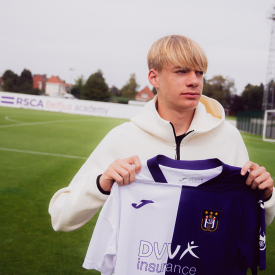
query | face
(178,89)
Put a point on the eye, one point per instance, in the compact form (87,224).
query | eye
(199,73)
(181,71)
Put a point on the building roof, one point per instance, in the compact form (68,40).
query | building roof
(56,79)
(145,94)
(36,79)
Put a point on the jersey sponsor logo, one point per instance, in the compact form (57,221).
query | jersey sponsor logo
(143,202)
(210,220)
(147,248)
(262,242)
(189,249)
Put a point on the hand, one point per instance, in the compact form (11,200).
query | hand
(121,171)
(258,177)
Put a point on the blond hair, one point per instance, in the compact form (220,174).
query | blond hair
(179,51)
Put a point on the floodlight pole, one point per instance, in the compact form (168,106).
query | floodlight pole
(270,72)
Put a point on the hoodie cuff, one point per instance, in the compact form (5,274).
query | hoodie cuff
(267,199)
(99,187)
(269,209)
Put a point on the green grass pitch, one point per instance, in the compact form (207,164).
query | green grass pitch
(28,244)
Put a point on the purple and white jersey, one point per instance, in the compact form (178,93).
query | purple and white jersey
(180,217)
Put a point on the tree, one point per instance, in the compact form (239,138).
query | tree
(9,81)
(154,90)
(115,91)
(26,88)
(236,104)
(130,88)
(220,88)
(36,91)
(18,84)
(96,88)
(25,82)
(253,97)
(77,89)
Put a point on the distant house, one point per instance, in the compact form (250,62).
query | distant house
(145,95)
(56,87)
(52,86)
(39,82)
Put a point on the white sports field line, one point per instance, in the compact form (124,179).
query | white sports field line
(13,120)
(41,153)
(20,123)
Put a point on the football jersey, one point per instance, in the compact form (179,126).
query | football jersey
(180,217)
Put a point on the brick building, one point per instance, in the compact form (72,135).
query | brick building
(145,94)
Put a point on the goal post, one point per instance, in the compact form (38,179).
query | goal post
(269,126)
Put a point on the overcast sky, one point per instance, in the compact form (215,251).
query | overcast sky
(50,37)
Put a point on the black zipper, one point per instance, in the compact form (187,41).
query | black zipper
(178,142)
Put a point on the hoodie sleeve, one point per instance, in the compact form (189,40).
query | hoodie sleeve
(73,206)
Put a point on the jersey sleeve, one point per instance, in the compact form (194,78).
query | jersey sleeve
(253,236)
(101,254)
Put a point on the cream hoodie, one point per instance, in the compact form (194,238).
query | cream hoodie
(146,136)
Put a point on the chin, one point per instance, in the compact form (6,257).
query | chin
(190,105)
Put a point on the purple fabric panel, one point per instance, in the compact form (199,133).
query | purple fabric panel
(155,170)
(189,164)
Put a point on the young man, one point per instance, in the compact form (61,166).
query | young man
(178,121)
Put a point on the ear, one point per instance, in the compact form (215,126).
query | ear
(153,77)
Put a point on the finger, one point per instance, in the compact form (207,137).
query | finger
(249,166)
(136,161)
(259,180)
(253,175)
(266,185)
(123,173)
(113,175)
(131,170)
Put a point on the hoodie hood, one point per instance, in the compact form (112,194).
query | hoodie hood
(209,114)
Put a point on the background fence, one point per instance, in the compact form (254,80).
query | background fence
(251,122)
(269,126)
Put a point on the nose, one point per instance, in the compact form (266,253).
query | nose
(192,79)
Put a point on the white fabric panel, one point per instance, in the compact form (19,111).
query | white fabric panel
(160,215)
(115,216)
(144,174)
(189,177)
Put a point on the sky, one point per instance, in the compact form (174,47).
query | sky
(50,37)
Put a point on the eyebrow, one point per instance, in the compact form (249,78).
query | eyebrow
(181,68)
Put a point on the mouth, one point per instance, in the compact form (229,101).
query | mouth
(191,95)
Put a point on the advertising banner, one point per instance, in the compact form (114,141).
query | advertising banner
(72,106)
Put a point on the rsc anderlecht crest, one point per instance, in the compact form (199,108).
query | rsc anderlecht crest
(210,220)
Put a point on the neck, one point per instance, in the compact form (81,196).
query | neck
(181,120)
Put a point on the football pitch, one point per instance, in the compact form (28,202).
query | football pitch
(40,152)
